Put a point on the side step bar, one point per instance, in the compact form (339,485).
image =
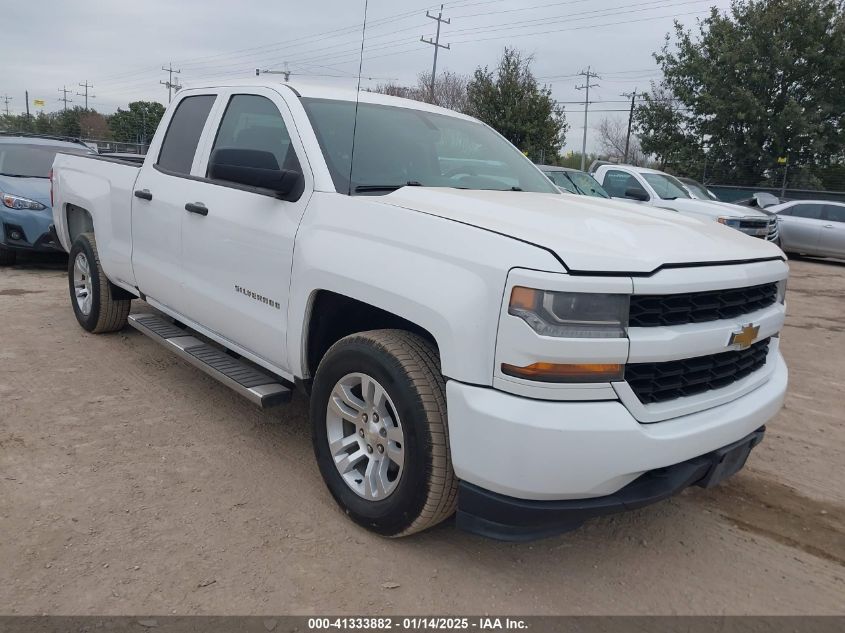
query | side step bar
(260,388)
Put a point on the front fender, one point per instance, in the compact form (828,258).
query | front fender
(444,276)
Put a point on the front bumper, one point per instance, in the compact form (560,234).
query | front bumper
(506,518)
(28,230)
(552,451)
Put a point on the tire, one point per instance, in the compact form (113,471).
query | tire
(7,256)
(407,367)
(101,312)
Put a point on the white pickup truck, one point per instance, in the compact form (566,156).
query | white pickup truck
(657,189)
(470,338)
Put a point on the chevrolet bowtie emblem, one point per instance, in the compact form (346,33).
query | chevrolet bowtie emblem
(745,337)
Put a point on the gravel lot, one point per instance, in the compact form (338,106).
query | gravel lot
(130,483)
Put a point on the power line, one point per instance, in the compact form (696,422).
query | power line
(436,43)
(169,83)
(64,98)
(7,98)
(85,85)
(588,74)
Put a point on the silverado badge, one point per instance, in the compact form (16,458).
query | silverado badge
(745,337)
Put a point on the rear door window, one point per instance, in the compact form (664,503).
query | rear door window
(183,134)
(835,213)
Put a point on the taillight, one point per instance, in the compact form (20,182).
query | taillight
(50,176)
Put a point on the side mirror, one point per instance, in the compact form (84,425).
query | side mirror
(256,168)
(636,194)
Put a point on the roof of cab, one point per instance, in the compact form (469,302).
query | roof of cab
(328,91)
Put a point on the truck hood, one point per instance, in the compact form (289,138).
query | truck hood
(709,208)
(588,234)
(37,189)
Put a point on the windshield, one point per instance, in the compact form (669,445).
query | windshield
(577,182)
(586,184)
(666,187)
(698,191)
(560,179)
(397,146)
(32,161)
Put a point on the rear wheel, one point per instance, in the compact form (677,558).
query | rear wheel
(91,293)
(378,414)
(7,256)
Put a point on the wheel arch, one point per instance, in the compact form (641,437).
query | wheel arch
(78,221)
(330,316)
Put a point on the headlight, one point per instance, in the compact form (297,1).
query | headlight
(571,314)
(731,222)
(17,202)
(782,291)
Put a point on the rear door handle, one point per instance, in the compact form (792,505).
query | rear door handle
(197,207)
(143,194)
(828,226)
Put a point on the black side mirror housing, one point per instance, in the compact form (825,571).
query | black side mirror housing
(636,194)
(256,168)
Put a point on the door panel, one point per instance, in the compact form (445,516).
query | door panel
(237,258)
(832,241)
(801,229)
(158,206)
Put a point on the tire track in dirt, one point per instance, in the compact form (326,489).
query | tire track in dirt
(778,512)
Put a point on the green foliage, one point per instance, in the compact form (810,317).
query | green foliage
(763,81)
(138,123)
(61,123)
(510,100)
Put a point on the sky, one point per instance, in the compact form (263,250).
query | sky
(120,47)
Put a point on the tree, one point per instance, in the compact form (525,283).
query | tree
(450,90)
(93,125)
(511,101)
(763,81)
(613,134)
(138,123)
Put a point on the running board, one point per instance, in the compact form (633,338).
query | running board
(260,388)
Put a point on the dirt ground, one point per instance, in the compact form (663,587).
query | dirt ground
(131,483)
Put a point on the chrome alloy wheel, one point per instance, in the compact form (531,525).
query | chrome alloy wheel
(365,436)
(82,283)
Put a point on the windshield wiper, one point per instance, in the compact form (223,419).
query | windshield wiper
(364,188)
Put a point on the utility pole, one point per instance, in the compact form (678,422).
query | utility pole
(589,74)
(7,98)
(782,188)
(169,83)
(436,43)
(633,96)
(26,93)
(85,94)
(64,98)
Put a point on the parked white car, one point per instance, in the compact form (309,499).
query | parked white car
(811,227)
(658,189)
(470,337)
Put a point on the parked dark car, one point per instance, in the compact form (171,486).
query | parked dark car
(26,212)
(574,181)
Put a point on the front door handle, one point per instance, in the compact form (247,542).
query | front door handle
(143,194)
(827,226)
(197,207)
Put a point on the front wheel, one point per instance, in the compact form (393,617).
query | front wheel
(378,415)
(91,293)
